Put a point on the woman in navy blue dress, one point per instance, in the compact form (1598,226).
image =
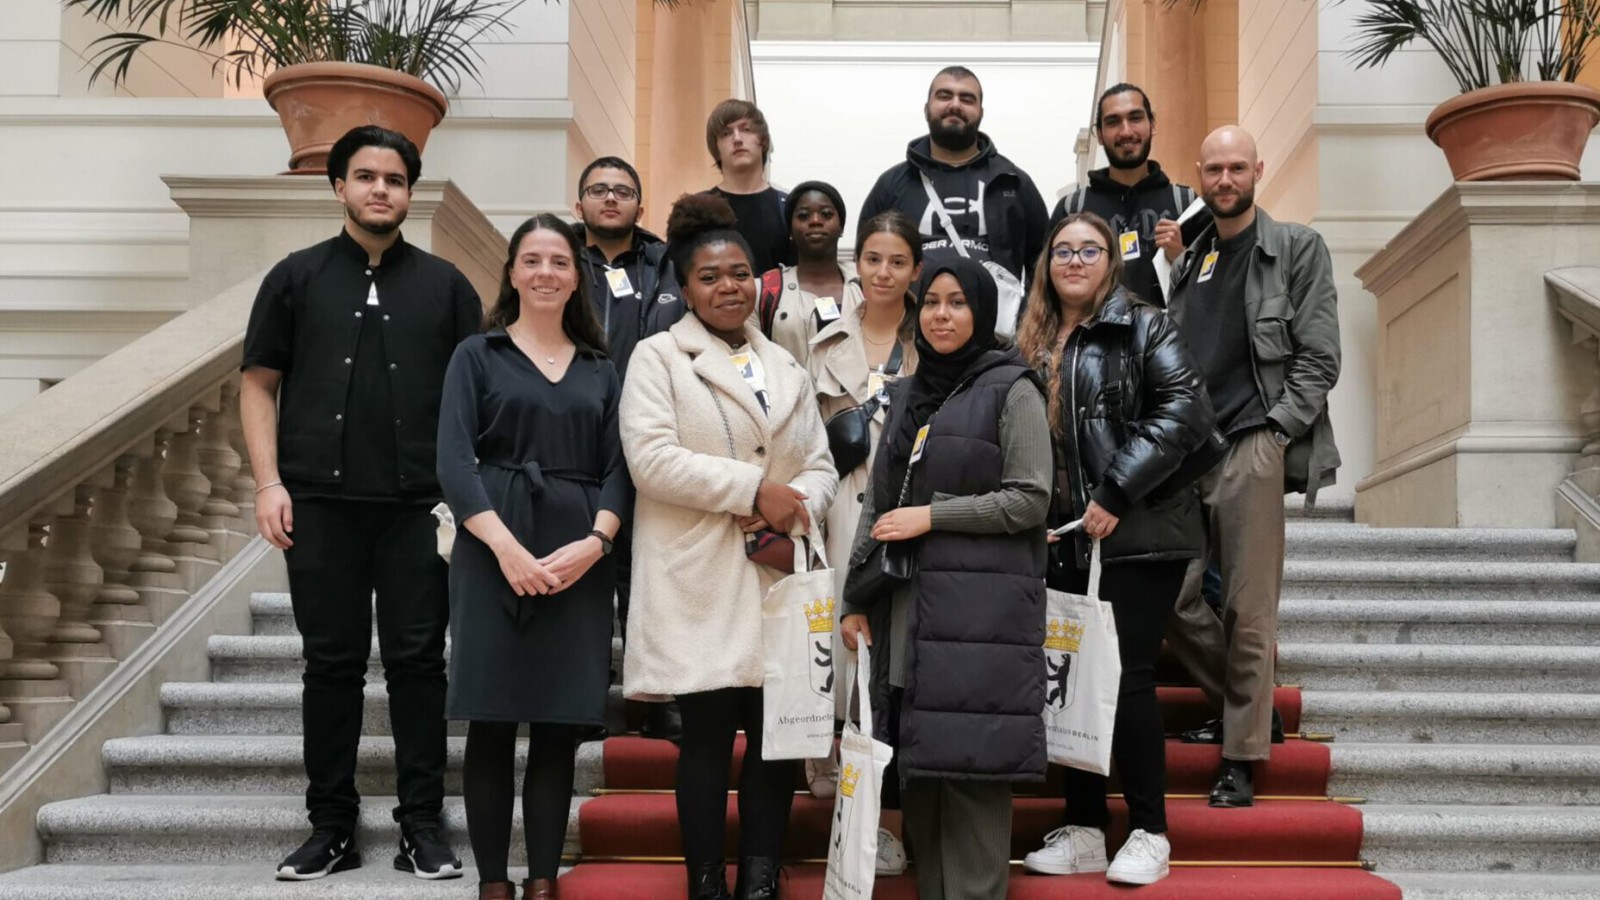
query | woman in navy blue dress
(531,465)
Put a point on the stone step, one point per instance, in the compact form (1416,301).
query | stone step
(1328,509)
(1399,581)
(1495,886)
(1376,621)
(1544,774)
(264,659)
(272,614)
(376,878)
(1522,838)
(1321,540)
(1429,717)
(210,829)
(1440,667)
(252,709)
(272,764)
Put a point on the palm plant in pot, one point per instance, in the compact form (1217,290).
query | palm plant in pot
(1520,115)
(330,65)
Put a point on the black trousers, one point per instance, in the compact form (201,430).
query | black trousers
(488,787)
(1142,596)
(766,789)
(344,551)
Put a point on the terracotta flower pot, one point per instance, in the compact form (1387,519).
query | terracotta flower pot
(319,102)
(1526,131)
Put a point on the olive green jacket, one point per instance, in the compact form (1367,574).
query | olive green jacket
(1293,306)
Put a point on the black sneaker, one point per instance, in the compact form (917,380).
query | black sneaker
(328,850)
(425,854)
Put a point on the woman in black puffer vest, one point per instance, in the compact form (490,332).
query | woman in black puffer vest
(1126,408)
(964,675)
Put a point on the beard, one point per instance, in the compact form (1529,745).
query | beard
(954,138)
(1245,199)
(607,232)
(1137,158)
(379,227)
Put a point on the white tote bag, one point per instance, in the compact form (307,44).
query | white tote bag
(853,844)
(797,644)
(1083,670)
(1009,288)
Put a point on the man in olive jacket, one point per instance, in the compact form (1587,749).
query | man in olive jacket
(1255,301)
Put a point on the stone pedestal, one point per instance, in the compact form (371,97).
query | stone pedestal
(1478,386)
(37,705)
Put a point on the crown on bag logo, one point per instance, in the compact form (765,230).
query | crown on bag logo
(847,780)
(819,616)
(1063,634)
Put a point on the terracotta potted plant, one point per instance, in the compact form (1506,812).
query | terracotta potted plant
(1520,116)
(330,65)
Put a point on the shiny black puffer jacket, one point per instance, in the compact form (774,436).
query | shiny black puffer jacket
(1134,407)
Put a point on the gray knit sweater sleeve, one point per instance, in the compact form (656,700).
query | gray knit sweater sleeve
(1026,474)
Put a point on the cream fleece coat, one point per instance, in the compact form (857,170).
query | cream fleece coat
(695,620)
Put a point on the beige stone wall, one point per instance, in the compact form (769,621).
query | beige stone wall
(1187,62)
(602,80)
(925,20)
(1277,95)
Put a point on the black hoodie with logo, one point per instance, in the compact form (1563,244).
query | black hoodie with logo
(1136,209)
(996,210)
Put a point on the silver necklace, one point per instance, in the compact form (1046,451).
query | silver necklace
(528,342)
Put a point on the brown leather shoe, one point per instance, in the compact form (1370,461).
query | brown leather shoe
(539,889)
(497,890)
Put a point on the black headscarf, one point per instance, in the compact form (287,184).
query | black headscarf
(939,374)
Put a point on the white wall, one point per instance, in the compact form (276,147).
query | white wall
(843,112)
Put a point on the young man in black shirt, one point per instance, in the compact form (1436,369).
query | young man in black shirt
(344,361)
(740,145)
(993,206)
(1134,194)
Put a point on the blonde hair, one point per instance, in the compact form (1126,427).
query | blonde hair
(1036,339)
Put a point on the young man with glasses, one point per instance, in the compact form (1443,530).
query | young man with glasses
(635,295)
(1133,194)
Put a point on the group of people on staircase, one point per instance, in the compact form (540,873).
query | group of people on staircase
(634,420)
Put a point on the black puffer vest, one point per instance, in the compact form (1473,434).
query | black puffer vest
(974,644)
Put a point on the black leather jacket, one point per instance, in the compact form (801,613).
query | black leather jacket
(1135,407)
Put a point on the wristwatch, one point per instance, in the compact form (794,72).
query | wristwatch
(605,543)
(1280,436)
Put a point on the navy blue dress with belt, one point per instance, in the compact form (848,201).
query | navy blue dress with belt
(546,457)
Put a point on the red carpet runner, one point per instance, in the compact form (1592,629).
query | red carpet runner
(1250,853)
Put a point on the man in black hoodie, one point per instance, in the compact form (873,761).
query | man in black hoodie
(1133,194)
(993,206)
(630,281)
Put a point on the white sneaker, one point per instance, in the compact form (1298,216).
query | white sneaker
(822,777)
(891,854)
(1069,850)
(1142,860)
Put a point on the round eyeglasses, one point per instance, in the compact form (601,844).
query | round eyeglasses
(599,191)
(1089,253)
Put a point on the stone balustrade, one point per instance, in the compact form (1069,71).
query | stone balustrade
(123,490)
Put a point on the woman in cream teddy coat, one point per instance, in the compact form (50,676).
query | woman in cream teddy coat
(722,435)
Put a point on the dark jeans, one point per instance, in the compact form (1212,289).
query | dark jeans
(344,551)
(488,786)
(1142,595)
(766,789)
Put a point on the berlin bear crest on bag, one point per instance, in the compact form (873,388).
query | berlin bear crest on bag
(819,624)
(1062,638)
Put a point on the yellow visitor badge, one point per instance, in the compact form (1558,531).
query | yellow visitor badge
(1129,242)
(1208,266)
(617,280)
(916,448)
(827,309)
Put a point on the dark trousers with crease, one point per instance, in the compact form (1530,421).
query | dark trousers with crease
(1142,596)
(766,788)
(343,552)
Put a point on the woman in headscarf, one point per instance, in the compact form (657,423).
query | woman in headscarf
(965,473)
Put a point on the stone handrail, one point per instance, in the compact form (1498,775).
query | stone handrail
(123,489)
(1575,292)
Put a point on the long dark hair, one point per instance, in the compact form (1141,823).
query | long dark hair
(578,320)
(900,225)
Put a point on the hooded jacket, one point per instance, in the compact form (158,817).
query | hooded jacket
(656,303)
(1014,213)
(1137,208)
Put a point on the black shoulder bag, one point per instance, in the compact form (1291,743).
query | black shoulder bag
(850,430)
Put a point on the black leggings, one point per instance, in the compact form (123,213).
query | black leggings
(1142,595)
(488,786)
(766,789)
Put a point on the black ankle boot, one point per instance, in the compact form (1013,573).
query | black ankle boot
(708,881)
(758,879)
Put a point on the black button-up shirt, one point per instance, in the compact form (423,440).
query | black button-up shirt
(363,351)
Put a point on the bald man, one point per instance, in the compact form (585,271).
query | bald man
(1255,301)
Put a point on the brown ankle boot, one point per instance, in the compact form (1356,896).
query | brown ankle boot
(497,890)
(539,889)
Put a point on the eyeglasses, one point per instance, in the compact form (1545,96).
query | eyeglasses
(1089,253)
(599,191)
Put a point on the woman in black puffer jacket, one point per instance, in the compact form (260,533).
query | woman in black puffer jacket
(1126,408)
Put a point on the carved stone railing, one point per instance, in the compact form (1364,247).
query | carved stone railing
(123,489)
(1574,291)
